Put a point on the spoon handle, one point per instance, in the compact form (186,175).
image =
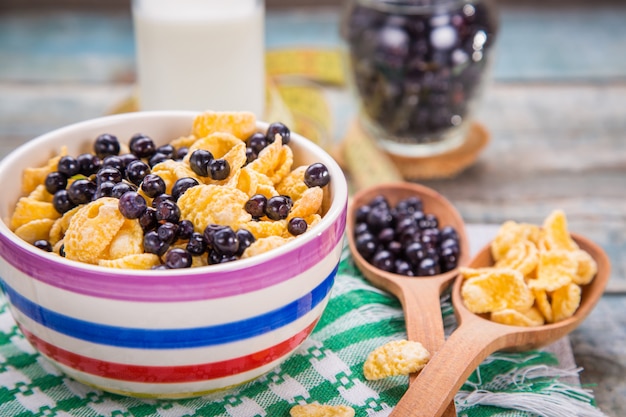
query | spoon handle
(448,369)
(424,323)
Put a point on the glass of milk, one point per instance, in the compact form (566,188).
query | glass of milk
(200,54)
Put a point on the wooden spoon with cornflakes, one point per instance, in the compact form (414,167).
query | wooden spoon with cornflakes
(477,337)
(419,296)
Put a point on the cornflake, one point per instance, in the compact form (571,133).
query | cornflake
(319,410)
(398,357)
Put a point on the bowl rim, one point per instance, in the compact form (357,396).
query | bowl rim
(337,208)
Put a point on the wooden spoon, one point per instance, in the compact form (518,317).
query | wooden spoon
(419,296)
(477,337)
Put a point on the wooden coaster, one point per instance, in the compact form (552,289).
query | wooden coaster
(368,164)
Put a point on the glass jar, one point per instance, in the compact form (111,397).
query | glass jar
(419,67)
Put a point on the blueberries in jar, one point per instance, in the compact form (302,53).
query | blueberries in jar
(418,71)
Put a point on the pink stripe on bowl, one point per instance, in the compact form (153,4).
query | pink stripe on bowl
(216,281)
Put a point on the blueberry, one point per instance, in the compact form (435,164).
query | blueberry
(105,145)
(121,188)
(384,260)
(43,245)
(257,142)
(414,253)
(199,162)
(197,244)
(132,205)
(55,181)
(68,166)
(379,218)
(278,128)
(167,150)
(81,191)
(215,257)
(89,164)
(402,267)
(105,189)
(219,169)
(277,208)
(152,243)
(209,233)
(181,185)
(108,174)
(148,220)
(366,245)
(167,211)
(181,153)
(167,232)
(153,185)
(160,198)
(178,258)
(316,175)
(225,241)
(136,171)
(185,229)
(157,158)
(362,213)
(114,161)
(127,158)
(256,205)
(297,226)
(428,267)
(142,146)
(250,155)
(246,238)
(61,201)
(386,235)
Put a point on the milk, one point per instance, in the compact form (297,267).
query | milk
(200,54)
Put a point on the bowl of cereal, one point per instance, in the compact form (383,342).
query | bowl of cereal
(169,254)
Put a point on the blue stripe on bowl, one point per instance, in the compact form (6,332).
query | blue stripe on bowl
(171,338)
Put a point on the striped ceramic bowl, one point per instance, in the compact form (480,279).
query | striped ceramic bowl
(175,333)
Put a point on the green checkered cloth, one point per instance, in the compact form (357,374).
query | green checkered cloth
(327,369)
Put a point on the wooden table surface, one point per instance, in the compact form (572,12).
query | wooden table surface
(556,109)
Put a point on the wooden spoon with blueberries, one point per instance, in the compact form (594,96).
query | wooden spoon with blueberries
(409,240)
